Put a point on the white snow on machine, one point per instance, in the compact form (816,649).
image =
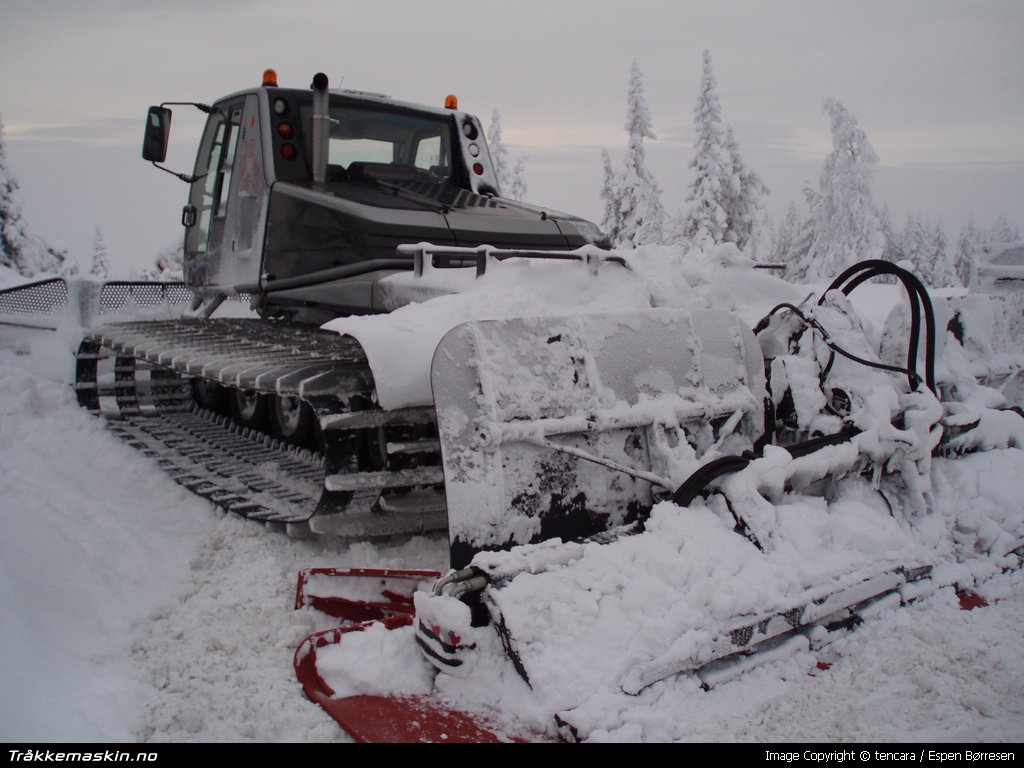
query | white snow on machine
(646,502)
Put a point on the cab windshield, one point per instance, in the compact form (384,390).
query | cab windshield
(385,145)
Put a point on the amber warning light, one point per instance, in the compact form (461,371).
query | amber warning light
(451,101)
(269,77)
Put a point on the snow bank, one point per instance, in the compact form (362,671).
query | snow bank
(94,539)
(133,609)
(219,656)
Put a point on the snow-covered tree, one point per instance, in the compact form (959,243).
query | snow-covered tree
(638,197)
(499,154)
(966,249)
(511,176)
(16,249)
(100,260)
(892,250)
(1002,232)
(845,227)
(708,220)
(611,222)
(943,274)
(19,250)
(55,258)
(760,245)
(892,243)
(786,235)
(744,200)
(517,188)
(917,247)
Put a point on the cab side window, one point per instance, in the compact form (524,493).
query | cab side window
(214,165)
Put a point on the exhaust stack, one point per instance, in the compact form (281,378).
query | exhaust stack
(321,128)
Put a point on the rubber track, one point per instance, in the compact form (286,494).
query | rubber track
(148,402)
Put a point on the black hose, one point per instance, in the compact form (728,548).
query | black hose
(696,484)
(911,373)
(920,303)
(919,299)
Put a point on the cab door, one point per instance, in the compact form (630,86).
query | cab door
(205,216)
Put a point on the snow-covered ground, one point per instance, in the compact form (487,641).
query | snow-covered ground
(134,610)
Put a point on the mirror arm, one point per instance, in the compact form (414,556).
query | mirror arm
(183,176)
(201,107)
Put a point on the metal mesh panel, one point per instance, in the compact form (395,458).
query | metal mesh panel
(119,295)
(35,298)
(38,304)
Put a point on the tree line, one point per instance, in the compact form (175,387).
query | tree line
(725,202)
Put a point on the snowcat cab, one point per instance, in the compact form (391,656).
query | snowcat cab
(301,197)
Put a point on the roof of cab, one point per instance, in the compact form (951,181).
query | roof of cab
(353,95)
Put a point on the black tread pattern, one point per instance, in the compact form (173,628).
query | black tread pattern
(137,374)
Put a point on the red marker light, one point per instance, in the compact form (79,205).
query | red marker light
(288,151)
(478,169)
(285,130)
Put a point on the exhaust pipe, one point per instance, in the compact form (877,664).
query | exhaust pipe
(321,128)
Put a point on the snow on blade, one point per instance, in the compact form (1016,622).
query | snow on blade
(400,345)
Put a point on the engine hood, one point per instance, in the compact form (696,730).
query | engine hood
(347,228)
(475,219)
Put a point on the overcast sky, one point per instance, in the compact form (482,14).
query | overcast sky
(937,86)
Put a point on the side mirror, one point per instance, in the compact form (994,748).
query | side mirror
(157,135)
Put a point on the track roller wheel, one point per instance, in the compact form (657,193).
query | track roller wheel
(248,407)
(209,395)
(291,420)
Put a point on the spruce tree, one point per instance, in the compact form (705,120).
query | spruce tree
(708,220)
(56,259)
(942,270)
(517,188)
(760,244)
(511,177)
(639,197)
(892,250)
(499,154)
(786,235)
(917,248)
(966,250)
(746,192)
(844,225)
(100,260)
(892,247)
(16,250)
(1002,232)
(611,223)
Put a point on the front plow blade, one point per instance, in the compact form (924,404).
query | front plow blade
(371,718)
(405,720)
(360,594)
(565,427)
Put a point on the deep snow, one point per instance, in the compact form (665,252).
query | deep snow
(136,611)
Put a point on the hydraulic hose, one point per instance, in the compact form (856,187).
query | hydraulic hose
(920,302)
(697,483)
